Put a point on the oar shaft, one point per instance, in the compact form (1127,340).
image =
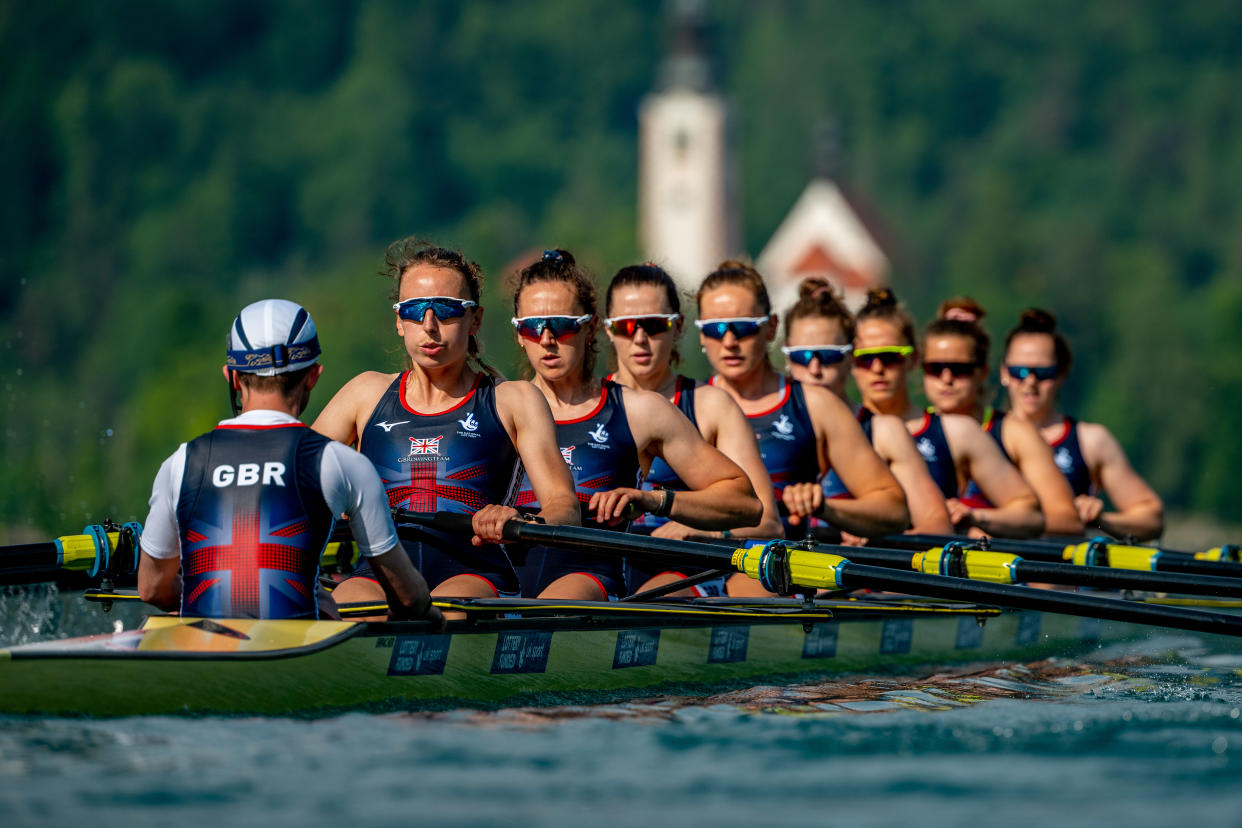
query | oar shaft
(29,558)
(856,576)
(1065,574)
(821,569)
(1117,555)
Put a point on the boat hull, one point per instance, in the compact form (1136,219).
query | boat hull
(188,666)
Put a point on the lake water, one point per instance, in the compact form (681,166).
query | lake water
(1149,734)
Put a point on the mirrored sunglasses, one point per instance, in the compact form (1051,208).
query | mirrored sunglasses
(443,307)
(562,327)
(741,326)
(1040,372)
(651,324)
(826,354)
(957,369)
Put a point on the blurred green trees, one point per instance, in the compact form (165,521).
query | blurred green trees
(165,163)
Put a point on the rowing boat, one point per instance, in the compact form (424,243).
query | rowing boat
(510,652)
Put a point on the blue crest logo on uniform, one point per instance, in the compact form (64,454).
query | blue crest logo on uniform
(926,448)
(784,425)
(469,423)
(600,434)
(1063,460)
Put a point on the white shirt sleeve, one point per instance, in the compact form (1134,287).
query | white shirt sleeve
(160,536)
(351,485)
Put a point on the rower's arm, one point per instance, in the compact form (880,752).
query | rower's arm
(159,581)
(894,444)
(1139,510)
(407,592)
(159,564)
(343,418)
(878,504)
(736,440)
(720,495)
(1016,513)
(1035,462)
(526,417)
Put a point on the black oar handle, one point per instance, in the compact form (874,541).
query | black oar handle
(603,541)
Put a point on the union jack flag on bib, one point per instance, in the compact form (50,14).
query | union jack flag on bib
(428,445)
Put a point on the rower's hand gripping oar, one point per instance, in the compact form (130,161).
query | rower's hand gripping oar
(781,568)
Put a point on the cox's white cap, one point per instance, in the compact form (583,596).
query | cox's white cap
(270,337)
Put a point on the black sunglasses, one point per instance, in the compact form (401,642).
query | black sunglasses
(957,369)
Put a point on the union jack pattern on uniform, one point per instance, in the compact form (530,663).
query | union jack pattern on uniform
(252,551)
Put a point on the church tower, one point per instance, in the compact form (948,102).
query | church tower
(686,181)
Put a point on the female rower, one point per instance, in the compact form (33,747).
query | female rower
(802,431)
(1037,361)
(644,323)
(819,333)
(444,435)
(610,435)
(955,448)
(955,373)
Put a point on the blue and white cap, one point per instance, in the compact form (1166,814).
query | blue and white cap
(272,337)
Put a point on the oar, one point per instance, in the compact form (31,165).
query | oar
(108,549)
(1095,552)
(781,569)
(960,560)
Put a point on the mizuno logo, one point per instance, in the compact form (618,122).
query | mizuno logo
(387,426)
(600,434)
(430,445)
(470,423)
(784,425)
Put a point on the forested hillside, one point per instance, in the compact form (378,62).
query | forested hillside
(164,163)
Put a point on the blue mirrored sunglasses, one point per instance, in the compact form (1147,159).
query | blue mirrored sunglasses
(826,354)
(1040,372)
(444,307)
(562,327)
(741,326)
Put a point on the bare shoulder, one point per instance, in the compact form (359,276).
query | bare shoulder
(367,385)
(516,396)
(889,426)
(644,403)
(824,402)
(1019,434)
(1096,440)
(960,426)
(361,392)
(712,405)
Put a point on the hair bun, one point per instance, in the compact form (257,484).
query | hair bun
(813,286)
(1037,320)
(558,256)
(963,308)
(880,297)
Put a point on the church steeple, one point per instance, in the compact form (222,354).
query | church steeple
(686,65)
(687,186)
